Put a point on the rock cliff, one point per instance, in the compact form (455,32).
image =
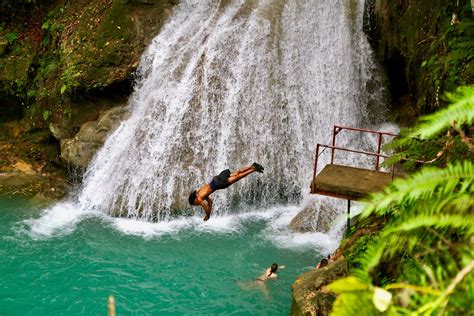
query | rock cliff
(62,64)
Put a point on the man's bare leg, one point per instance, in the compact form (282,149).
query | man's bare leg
(242,173)
(245,171)
(242,170)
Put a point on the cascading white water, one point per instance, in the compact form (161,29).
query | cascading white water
(227,83)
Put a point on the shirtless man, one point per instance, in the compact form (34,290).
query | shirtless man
(219,182)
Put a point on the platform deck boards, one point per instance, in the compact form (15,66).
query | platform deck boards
(349,182)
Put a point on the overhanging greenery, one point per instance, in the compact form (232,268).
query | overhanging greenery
(421,263)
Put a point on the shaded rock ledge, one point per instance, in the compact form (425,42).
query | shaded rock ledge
(79,150)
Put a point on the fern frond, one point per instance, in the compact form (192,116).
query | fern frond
(460,111)
(350,304)
(466,223)
(423,185)
(369,259)
(455,203)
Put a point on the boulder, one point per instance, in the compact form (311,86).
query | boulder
(309,293)
(316,216)
(79,150)
(77,153)
(59,131)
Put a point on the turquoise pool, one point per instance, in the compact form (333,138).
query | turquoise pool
(67,262)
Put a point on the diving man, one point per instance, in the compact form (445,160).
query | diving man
(219,182)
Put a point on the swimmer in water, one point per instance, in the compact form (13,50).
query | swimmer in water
(269,273)
(260,282)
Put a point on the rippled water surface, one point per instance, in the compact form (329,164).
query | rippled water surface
(181,267)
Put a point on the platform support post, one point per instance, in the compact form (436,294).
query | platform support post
(348,227)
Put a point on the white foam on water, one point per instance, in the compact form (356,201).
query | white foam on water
(276,231)
(218,224)
(282,236)
(63,218)
(60,219)
(148,229)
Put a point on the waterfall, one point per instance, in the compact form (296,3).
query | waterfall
(227,83)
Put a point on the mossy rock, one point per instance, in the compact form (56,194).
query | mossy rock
(14,69)
(67,50)
(309,293)
(101,45)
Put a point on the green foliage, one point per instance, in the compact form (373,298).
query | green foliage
(49,68)
(45,26)
(356,296)
(31,93)
(423,187)
(451,53)
(46,115)
(11,37)
(357,250)
(424,255)
(438,137)
(437,51)
(69,78)
(460,112)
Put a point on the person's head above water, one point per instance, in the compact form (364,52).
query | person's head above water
(324,262)
(192,197)
(273,269)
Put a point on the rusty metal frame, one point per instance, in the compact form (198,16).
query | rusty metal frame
(336,130)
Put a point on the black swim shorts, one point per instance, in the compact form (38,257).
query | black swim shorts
(220,181)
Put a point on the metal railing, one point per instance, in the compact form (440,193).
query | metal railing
(336,130)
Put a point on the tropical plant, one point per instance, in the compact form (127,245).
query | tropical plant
(439,137)
(421,262)
(11,37)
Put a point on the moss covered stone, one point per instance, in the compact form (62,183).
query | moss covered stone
(15,66)
(64,62)
(67,48)
(102,43)
(309,293)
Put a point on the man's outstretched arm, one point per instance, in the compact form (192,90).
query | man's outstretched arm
(209,202)
(206,207)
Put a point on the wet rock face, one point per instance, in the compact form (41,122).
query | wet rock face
(309,293)
(79,150)
(316,216)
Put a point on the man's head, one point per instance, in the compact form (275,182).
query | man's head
(192,197)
